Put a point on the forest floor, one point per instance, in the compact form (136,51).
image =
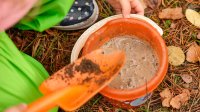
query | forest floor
(53,49)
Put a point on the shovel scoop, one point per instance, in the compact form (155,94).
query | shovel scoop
(74,84)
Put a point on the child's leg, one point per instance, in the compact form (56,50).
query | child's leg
(20,75)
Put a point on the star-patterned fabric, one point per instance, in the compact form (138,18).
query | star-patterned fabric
(79,12)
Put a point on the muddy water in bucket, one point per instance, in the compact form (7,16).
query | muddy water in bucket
(141,62)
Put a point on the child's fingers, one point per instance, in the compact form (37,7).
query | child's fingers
(137,6)
(126,8)
(18,108)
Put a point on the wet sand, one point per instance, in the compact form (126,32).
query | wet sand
(141,62)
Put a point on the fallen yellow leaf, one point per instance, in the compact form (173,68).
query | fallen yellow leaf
(176,55)
(193,17)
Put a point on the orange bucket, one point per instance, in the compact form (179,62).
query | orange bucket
(132,26)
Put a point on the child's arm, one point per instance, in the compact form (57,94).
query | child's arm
(126,7)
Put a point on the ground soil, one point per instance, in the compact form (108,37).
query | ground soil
(87,66)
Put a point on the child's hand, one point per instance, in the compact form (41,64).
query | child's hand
(18,108)
(127,6)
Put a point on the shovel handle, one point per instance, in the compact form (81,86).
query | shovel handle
(43,104)
(62,97)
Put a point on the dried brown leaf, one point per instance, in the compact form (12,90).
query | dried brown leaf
(153,3)
(186,78)
(166,96)
(175,102)
(186,91)
(176,55)
(166,102)
(166,93)
(193,54)
(181,99)
(171,13)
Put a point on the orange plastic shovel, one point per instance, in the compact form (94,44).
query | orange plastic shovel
(75,84)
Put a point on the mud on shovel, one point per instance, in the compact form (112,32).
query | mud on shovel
(75,84)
